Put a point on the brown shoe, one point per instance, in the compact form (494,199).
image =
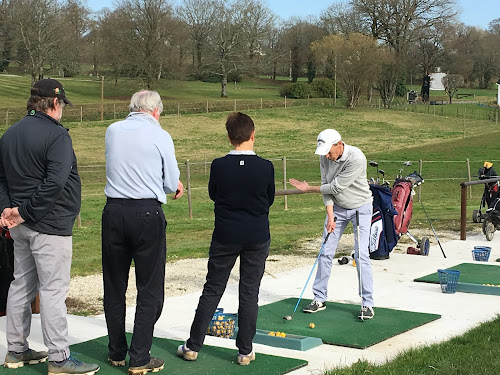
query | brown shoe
(116,363)
(154,365)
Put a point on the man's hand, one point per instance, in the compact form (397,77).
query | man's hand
(180,190)
(330,224)
(301,185)
(11,218)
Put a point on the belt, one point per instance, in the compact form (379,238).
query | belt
(127,201)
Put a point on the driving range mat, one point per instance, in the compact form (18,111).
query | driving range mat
(474,278)
(339,323)
(211,360)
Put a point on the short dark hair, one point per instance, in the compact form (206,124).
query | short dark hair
(41,103)
(239,128)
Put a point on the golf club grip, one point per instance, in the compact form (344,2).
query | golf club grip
(357,218)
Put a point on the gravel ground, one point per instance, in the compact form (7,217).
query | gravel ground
(188,275)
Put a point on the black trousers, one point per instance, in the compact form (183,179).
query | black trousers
(133,229)
(220,263)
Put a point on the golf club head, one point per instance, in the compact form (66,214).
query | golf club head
(407,163)
(382,172)
(373,163)
(287,317)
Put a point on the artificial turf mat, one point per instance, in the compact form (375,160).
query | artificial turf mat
(339,323)
(211,360)
(474,278)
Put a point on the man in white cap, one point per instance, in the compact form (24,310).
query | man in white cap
(345,191)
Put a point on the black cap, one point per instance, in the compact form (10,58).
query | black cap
(50,88)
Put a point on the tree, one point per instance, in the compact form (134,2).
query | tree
(258,22)
(494,26)
(397,23)
(39,30)
(451,83)
(357,57)
(341,18)
(201,17)
(146,30)
(7,33)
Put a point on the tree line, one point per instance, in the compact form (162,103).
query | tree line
(361,44)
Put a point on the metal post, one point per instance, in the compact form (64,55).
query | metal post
(420,167)
(468,173)
(188,184)
(285,200)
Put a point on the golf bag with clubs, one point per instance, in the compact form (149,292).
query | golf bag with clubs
(6,267)
(383,237)
(491,191)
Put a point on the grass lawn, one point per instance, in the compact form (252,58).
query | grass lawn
(475,353)
(390,137)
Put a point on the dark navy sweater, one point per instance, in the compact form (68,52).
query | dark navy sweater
(242,187)
(38,174)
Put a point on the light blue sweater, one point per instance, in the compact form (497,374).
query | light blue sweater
(140,159)
(343,181)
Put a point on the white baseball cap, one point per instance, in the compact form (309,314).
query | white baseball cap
(326,139)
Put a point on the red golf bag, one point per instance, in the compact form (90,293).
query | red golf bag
(402,201)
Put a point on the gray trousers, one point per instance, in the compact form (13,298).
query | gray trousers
(42,264)
(361,253)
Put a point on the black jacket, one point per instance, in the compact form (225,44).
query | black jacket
(242,187)
(38,174)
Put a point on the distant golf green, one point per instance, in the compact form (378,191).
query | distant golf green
(339,323)
(211,360)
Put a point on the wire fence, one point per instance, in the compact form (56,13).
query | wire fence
(195,175)
(118,110)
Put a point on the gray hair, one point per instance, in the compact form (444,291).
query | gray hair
(145,101)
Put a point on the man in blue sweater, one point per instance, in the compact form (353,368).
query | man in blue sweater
(141,169)
(242,187)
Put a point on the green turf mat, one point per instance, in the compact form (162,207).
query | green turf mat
(339,323)
(470,273)
(474,278)
(211,360)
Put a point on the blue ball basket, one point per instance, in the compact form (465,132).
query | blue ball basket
(222,325)
(481,253)
(448,280)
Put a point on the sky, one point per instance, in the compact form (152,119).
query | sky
(474,12)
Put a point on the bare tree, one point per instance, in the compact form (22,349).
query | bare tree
(146,26)
(258,22)
(201,17)
(451,83)
(39,29)
(7,33)
(341,18)
(398,23)
(494,26)
(357,57)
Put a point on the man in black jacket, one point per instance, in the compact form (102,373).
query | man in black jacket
(40,197)
(242,187)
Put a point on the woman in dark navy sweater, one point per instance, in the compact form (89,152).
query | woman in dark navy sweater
(242,188)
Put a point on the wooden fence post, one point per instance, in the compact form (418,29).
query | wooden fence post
(285,101)
(285,200)
(260,103)
(188,187)
(81,115)
(207,106)
(79,220)
(178,109)
(7,118)
(114,111)
(235,105)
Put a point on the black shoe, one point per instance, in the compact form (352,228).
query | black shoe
(366,313)
(154,365)
(314,306)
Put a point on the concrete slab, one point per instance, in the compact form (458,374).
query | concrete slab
(394,288)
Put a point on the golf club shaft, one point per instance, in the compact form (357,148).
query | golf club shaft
(359,260)
(312,270)
(435,235)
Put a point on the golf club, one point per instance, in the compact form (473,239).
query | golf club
(435,235)
(359,262)
(290,317)
(375,165)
